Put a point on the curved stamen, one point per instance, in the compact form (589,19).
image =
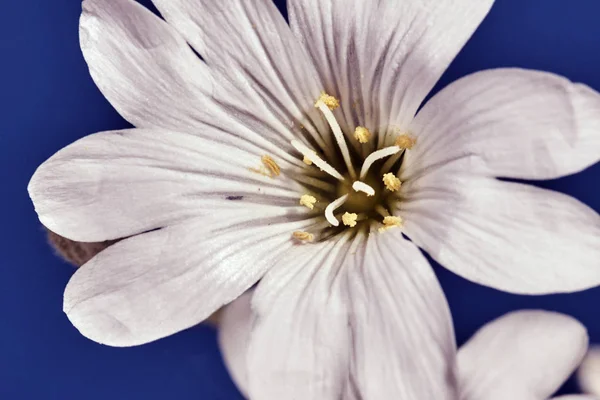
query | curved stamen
(359,186)
(377,155)
(318,161)
(339,136)
(332,207)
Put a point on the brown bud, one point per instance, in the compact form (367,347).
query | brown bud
(77,253)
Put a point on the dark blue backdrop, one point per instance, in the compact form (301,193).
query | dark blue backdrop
(48,100)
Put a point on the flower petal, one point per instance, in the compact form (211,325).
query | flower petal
(234,331)
(509,236)
(513,122)
(143,66)
(575,397)
(158,283)
(522,355)
(588,374)
(299,347)
(403,337)
(262,69)
(383,57)
(116,184)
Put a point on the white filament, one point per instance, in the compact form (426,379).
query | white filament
(390,162)
(382,211)
(377,155)
(339,136)
(332,207)
(363,187)
(318,161)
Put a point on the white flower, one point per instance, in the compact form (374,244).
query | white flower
(215,187)
(524,355)
(588,374)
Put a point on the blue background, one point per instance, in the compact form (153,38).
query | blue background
(48,100)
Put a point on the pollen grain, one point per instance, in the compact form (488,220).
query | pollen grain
(405,141)
(391,182)
(362,134)
(349,219)
(303,236)
(271,165)
(308,201)
(328,100)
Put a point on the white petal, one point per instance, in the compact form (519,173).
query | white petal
(262,69)
(522,355)
(383,57)
(116,184)
(588,374)
(575,397)
(143,66)
(512,122)
(403,338)
(509,236)
(299,347)
(158,283)
(235,325)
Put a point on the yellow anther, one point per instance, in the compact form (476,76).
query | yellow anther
(329,101)
(349,219)
(391,182)
(307,159)
(271,165)
(406,141)
(362,134)
(390,222)
(303,236)
(308,201)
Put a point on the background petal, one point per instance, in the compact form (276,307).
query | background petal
(235,325)
(512,122)
(522,355)
(588,374)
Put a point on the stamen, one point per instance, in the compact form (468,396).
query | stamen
(319,162)
(377,155)
(362,134)
(332,207)
(359,186)
(391,161)
(303,236)
(339,135)
(391,182)
(271,165)
(308,201)
(331,102)
(349,219)
(406,141)
(307,161)
(382,211)
(390,222)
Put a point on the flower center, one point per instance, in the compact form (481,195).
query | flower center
(362,195)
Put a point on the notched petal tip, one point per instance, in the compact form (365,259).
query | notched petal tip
(96,324)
